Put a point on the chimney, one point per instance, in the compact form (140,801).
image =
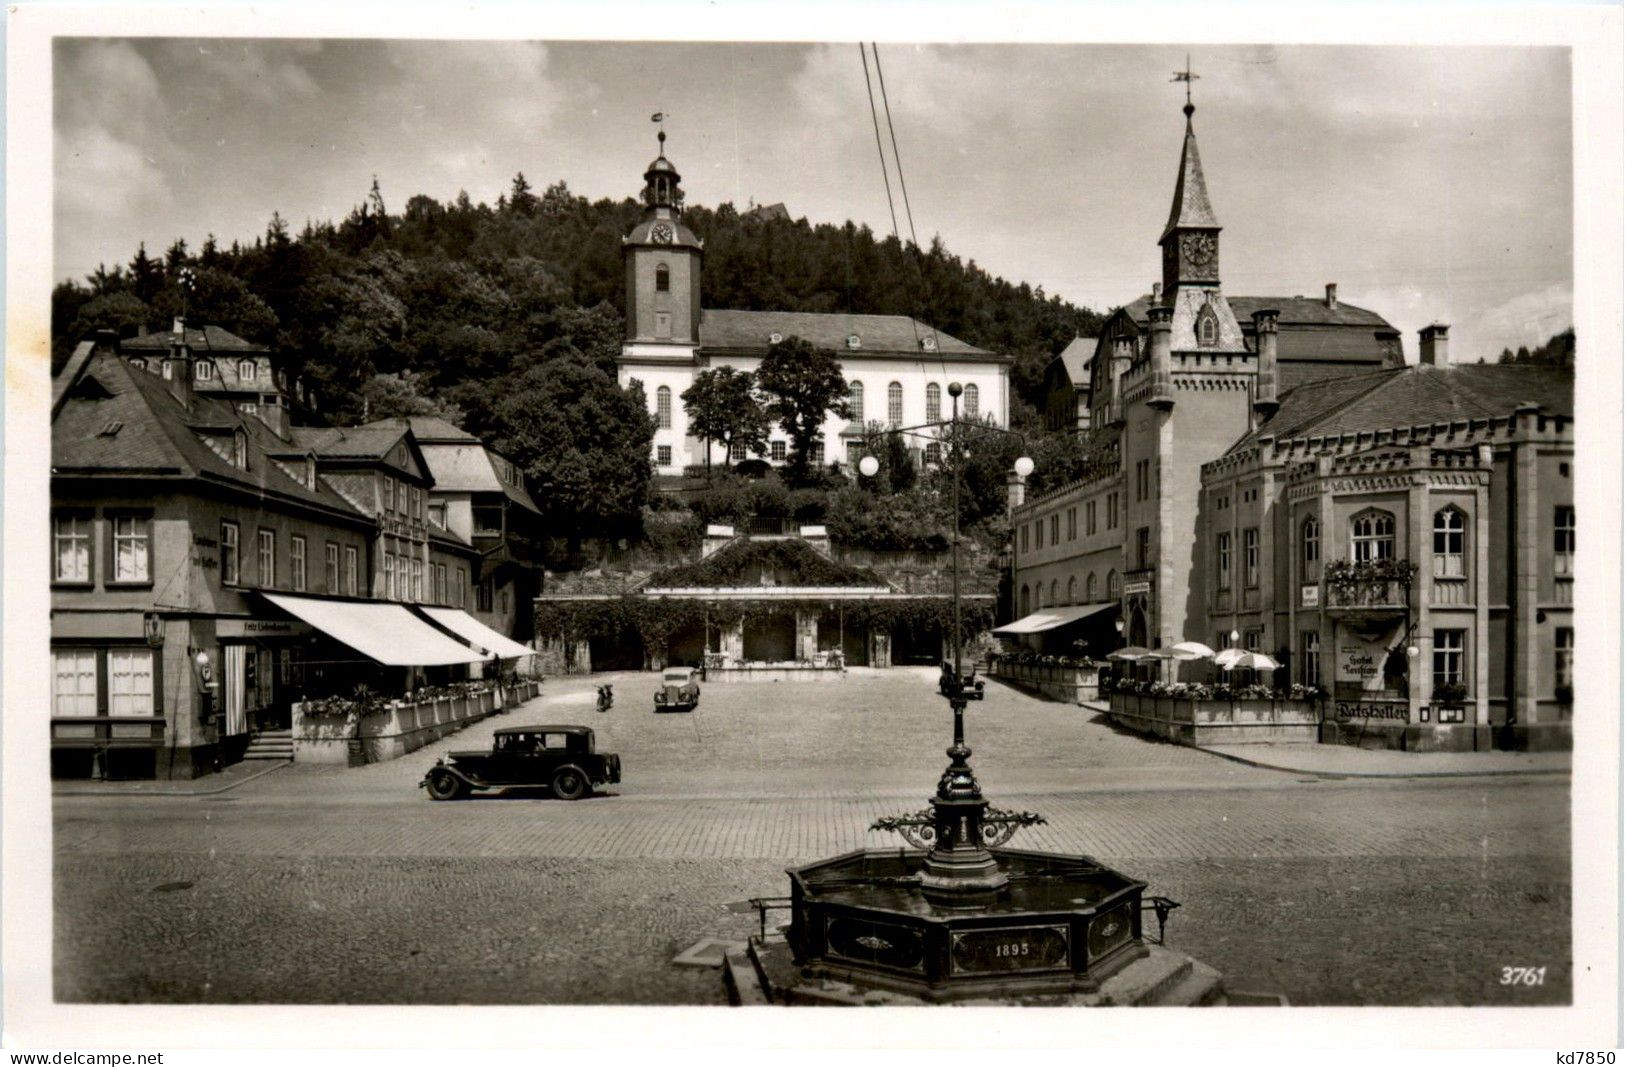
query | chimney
(177,368)
(1264,330)
(1162,374)
(1435,347)
(106,340)
(1331,295)
(1156,292)
(274,414)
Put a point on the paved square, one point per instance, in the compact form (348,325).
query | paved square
(349,885)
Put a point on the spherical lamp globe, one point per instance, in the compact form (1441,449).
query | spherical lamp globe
(1024,465)
(868,466)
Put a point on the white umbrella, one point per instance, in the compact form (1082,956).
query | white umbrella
(1189,650)
(1240,659)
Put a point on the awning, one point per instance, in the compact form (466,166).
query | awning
(476,632)
(387,633)
(1050,618)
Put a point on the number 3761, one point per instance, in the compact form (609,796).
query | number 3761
(1523,976)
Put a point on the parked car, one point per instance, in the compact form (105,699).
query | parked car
(969,686)
(562,758)
(679,690)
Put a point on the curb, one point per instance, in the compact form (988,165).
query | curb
(1381,774)
(117,792)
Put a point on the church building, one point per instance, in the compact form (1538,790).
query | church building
(898,367)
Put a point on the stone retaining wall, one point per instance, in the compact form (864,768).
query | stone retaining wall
(1071,685)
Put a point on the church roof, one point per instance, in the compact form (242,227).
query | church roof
(1415,396)
(878,335)
(1191,207)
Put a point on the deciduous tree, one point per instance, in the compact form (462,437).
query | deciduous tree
(723,406)
(803,385)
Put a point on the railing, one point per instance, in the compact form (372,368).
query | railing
(1381,593)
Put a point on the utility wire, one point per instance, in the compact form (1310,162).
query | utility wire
(885,173)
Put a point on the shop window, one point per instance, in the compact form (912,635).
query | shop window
(229,554)
(854,404)
(1563,668)
(894,404)
(1449,542)
(1372,536)
(1449,652)
(73,682)
(663,407)
(129,681)
(933,402)
(296,563)
(70,548)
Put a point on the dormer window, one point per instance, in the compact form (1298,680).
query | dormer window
(928,343)
(239,450)
(169,370)
(247,370)
(1207,327)
(775,337)
(310,470)
(138,363)
(853,341)
(205,371)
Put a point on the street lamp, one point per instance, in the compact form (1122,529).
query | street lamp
(869,466)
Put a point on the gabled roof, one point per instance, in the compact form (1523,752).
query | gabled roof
(1075,359)
(140,428)
(1307,331)
(458,461)
(1415,396)
(887,335)
(201,339)
(1191,208)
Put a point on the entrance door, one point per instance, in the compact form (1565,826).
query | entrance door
(234,680)
(770,640)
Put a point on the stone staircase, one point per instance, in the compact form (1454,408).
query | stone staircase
(270,745)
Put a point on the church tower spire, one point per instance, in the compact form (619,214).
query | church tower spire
(663,259)
(1190,241)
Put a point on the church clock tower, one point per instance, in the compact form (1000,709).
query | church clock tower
(1190,242)
(662,259)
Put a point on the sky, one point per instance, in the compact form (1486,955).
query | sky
(1432,184)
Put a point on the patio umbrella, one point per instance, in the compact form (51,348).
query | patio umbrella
(1240,659)
(1189,650)
(1163,653)
(1130,653)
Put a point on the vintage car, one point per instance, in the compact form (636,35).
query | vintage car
(679,690)
(558,757)
(969,686)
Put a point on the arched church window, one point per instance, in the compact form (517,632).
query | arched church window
(1207,327)
(894,403)
(933,402)
(854,403)
(972,401)
(1054,591)
(1089,588)
(663,407)
(662,279)
(1072,590)
(1111,585)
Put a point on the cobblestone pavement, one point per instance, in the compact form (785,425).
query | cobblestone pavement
(348,885)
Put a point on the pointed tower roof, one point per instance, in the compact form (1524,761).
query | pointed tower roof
(1191,208)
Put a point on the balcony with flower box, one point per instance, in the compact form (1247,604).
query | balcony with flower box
(1371,586)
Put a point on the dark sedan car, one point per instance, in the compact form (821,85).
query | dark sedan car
(558,757)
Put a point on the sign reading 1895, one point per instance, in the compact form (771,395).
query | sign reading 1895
(1022,948)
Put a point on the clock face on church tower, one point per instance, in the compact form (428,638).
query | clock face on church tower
(661,234)
(1199,248)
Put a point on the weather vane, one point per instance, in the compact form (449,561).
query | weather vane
(1187,77)
(659,118)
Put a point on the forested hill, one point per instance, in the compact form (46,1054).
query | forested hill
(465,295)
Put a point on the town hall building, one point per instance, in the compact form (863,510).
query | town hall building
(898,368)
